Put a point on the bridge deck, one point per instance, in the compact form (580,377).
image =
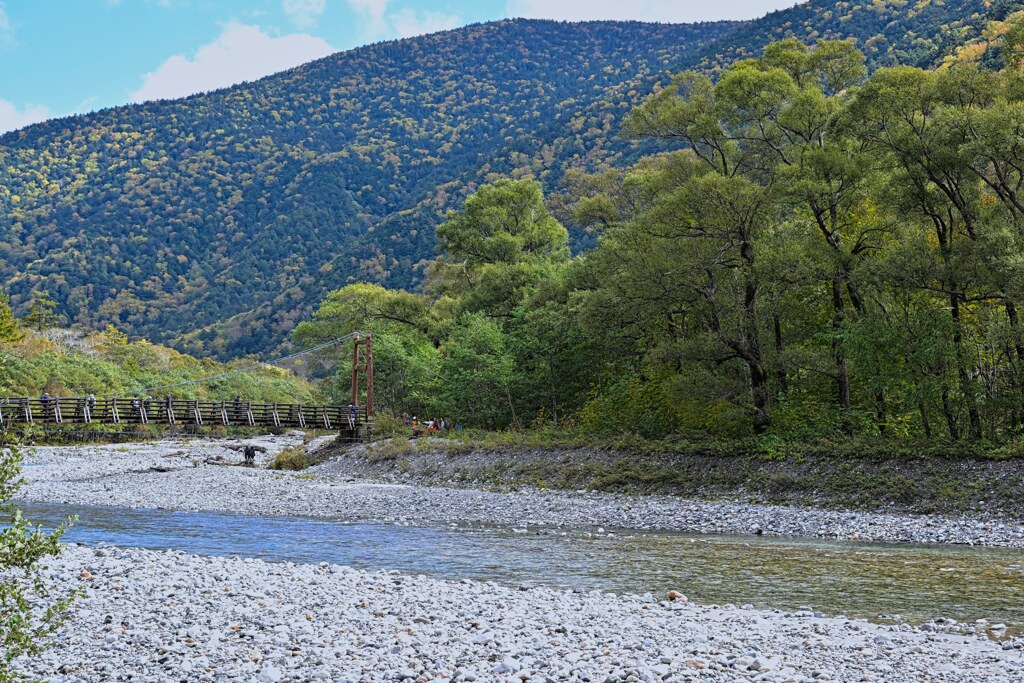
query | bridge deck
(174,412)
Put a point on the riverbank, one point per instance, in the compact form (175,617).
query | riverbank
(904,480)
(172,616)
(202,474)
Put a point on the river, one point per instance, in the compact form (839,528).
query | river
(879,582)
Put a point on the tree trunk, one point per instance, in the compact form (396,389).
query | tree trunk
(925,422)
(954,431)
(759,384)
(554,394)
(780,372)
(961,368)
(838,353)
(762,400)
(1018,347)
(880,411)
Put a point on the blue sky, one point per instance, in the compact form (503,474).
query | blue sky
(59,57)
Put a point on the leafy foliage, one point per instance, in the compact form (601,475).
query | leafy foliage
(919,33)
(9,329)
(827,254)
(69,363)
(213,221)
(29,613)
(171,216)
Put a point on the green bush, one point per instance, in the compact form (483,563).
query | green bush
(291,459)
(24,626)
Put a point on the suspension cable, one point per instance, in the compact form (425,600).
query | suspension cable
(250,368)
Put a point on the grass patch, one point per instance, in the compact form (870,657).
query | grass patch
(767,448)
(389,449)
(291,460)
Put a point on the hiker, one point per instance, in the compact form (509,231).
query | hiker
(352,412)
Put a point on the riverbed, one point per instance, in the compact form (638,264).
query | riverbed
(171,616)
(885,583)
(203,475)
(195,568)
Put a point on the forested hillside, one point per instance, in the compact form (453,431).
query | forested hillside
(168,218)
(172,215)
(917,33)
(63,362)
(827,254)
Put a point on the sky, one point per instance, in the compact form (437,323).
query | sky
(62,57)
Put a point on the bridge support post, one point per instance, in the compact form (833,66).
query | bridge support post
(363,363)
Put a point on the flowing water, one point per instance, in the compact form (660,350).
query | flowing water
(874,581)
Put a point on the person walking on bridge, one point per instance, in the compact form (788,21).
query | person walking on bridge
(353,412)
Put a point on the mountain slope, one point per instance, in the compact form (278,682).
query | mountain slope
(172,215)
(911,32)
(247,204)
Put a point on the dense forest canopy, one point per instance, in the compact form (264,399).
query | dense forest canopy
(169,216)
(824,253)
(246,205)
(63,362)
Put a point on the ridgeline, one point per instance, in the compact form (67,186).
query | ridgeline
(248,204)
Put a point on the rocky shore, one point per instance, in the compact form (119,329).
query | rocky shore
(201,475)
(163,616)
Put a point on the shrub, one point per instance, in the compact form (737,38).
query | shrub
(386,425)
(291,459)
(29,614)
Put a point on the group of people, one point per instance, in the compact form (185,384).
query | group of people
(48,400)
(419,427)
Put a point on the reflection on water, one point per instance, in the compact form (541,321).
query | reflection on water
(859,580)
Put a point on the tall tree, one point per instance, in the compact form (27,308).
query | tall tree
(502,243)
(41,313)
(9,328)
(775,121)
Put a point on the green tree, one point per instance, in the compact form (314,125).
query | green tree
(499,246)
(474,385)
(29,613)
(774,121)
(41,312)
(911,118)
(405,357)
(9,329)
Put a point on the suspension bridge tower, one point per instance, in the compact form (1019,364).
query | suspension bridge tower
(362,370)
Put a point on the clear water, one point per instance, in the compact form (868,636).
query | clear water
(873,581)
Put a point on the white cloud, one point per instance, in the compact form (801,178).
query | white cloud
(241,53)
(377,23)
(304,13)
(371,12)
(406,22)
(6,30)
(87,105)
(12,118)
(644,10)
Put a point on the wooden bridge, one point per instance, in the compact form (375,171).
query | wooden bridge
(84,410)
(113,411)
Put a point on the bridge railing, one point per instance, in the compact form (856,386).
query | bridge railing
(168,411)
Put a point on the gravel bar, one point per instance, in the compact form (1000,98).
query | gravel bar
(192,475)
(170,616)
